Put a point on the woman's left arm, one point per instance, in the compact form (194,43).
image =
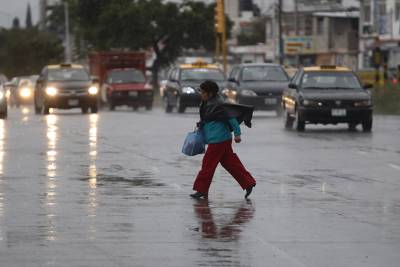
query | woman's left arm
(235,126)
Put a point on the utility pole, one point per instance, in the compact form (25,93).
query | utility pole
(281,52)
(220,32)
(67,35)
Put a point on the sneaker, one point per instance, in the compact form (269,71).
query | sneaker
(248,191)
(199,195)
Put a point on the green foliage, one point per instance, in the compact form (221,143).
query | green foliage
(26,51)
(255,35)
(165,27)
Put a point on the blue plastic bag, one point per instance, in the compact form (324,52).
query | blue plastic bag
(194,143)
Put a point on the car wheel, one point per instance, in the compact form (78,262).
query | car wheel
(181,108)
(300,124)
(3,115)
(94,109)
(288,120)
(352,126)
(111,104)
(167,106)
(367,125)
(46,110)
(38,110)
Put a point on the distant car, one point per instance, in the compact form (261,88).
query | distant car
(327,95)
(65,86)
(3,102)
(127,86)
(258,85)
(183,81)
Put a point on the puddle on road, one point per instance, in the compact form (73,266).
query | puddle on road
(139,181)
(223,223)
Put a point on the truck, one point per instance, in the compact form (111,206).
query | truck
(122,79)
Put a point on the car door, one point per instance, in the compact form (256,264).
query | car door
(290,95)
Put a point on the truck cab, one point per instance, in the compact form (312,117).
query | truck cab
(127,86)
(122,77)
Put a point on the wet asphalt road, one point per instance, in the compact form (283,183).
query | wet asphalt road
(112,190)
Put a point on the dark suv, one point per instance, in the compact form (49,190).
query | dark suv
(258,85)
(183,81)
(65,86)
(327,95)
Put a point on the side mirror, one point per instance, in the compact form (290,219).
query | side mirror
(368,86)
(293,86)
(95,79)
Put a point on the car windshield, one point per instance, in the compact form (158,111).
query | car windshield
(202,74)
(264,73)
(68,75)
(330,80)
(126,76)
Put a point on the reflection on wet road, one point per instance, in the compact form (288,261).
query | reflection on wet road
(111,189)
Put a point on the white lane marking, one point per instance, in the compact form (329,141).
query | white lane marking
(279,252)
(394,166)
(177,187)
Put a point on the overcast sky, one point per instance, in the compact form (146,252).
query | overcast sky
(17,8)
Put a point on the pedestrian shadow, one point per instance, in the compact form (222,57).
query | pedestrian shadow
(228,229)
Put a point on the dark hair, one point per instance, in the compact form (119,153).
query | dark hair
(209,87)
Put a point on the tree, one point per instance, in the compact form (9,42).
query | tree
(256,33)
(15,23)
(28,18)
(164,27)
(26,51)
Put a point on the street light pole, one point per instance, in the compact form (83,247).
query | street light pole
(67,36)
(281,55)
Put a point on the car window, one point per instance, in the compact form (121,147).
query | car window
(264,73)
(126,76)
(201,74)
(330,80)
(297,78)
(67,75)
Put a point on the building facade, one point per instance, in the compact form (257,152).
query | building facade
(315,32)
(379,28)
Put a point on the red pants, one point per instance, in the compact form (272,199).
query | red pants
(221,153)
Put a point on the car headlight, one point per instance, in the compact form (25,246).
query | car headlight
(51,91)
(364,103)
(93,90)
(311,103)
(25,92)
(188,90)
(246,92)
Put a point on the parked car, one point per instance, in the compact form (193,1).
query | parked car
(258,85)
(3,102)
(183,81)
(65,86)
(327,95)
